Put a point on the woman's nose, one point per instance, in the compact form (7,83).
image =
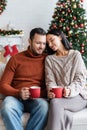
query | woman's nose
(50,44)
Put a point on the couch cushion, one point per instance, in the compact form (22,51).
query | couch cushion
(2,67)
(80,117)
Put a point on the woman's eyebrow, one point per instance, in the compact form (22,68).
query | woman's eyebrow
(50,38)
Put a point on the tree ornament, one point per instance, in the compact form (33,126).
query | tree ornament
(82,51)
(69,10)
(85,24)
(54,25)
(54,16)
(67,28)
(82,0)
(70,32)
(74,5)
(64,4)
(74,17)
(82,45)
(72,23)
(60,24)
(81,25)
(64,28)
(2,5)
(76,26)
(79,6)
(84,34)
(62,19)
(63,12)
(70,15)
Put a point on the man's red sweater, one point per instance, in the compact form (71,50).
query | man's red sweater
(23,70)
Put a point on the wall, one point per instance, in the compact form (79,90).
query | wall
(27,14)
(85,6)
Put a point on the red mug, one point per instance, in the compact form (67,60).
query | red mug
(35,91)
(58,91)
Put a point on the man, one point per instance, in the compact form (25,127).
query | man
(24,70)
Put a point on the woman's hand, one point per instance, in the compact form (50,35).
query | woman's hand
(66,92)
(50,94)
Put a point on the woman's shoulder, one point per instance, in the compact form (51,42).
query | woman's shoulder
(75,52)
(49,59)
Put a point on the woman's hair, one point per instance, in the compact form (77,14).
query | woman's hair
(65,42)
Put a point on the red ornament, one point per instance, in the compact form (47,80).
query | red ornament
(79,6)
(82,45)
(74,17)
(54,16)
(76,26)
(62,20)
(64,4)
(82,0)
(82,51)
(81,25)
(69,10)
(54,26)
(67,28)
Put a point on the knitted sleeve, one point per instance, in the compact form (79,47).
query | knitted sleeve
(79,81)
(6,79)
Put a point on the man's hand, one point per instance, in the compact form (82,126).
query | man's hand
(24,93)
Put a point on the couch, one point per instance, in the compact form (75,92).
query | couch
(79,119)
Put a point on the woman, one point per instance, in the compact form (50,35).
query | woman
(64,68)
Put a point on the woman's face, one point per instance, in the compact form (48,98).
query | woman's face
(54,41)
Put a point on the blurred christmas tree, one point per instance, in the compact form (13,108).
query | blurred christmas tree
(70,17)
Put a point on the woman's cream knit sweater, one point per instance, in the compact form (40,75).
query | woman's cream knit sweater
(67,71)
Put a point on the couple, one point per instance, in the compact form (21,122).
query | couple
(33,67)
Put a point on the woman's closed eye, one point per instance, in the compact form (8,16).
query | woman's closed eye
(52,40)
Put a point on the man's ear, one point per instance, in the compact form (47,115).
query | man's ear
(29,41)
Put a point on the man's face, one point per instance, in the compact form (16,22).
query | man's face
(38,44)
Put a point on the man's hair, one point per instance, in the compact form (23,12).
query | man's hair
(38,31)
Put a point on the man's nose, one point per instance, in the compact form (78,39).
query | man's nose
(41,46)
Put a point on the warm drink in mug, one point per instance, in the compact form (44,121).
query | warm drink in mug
(58,91)
(35,91)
